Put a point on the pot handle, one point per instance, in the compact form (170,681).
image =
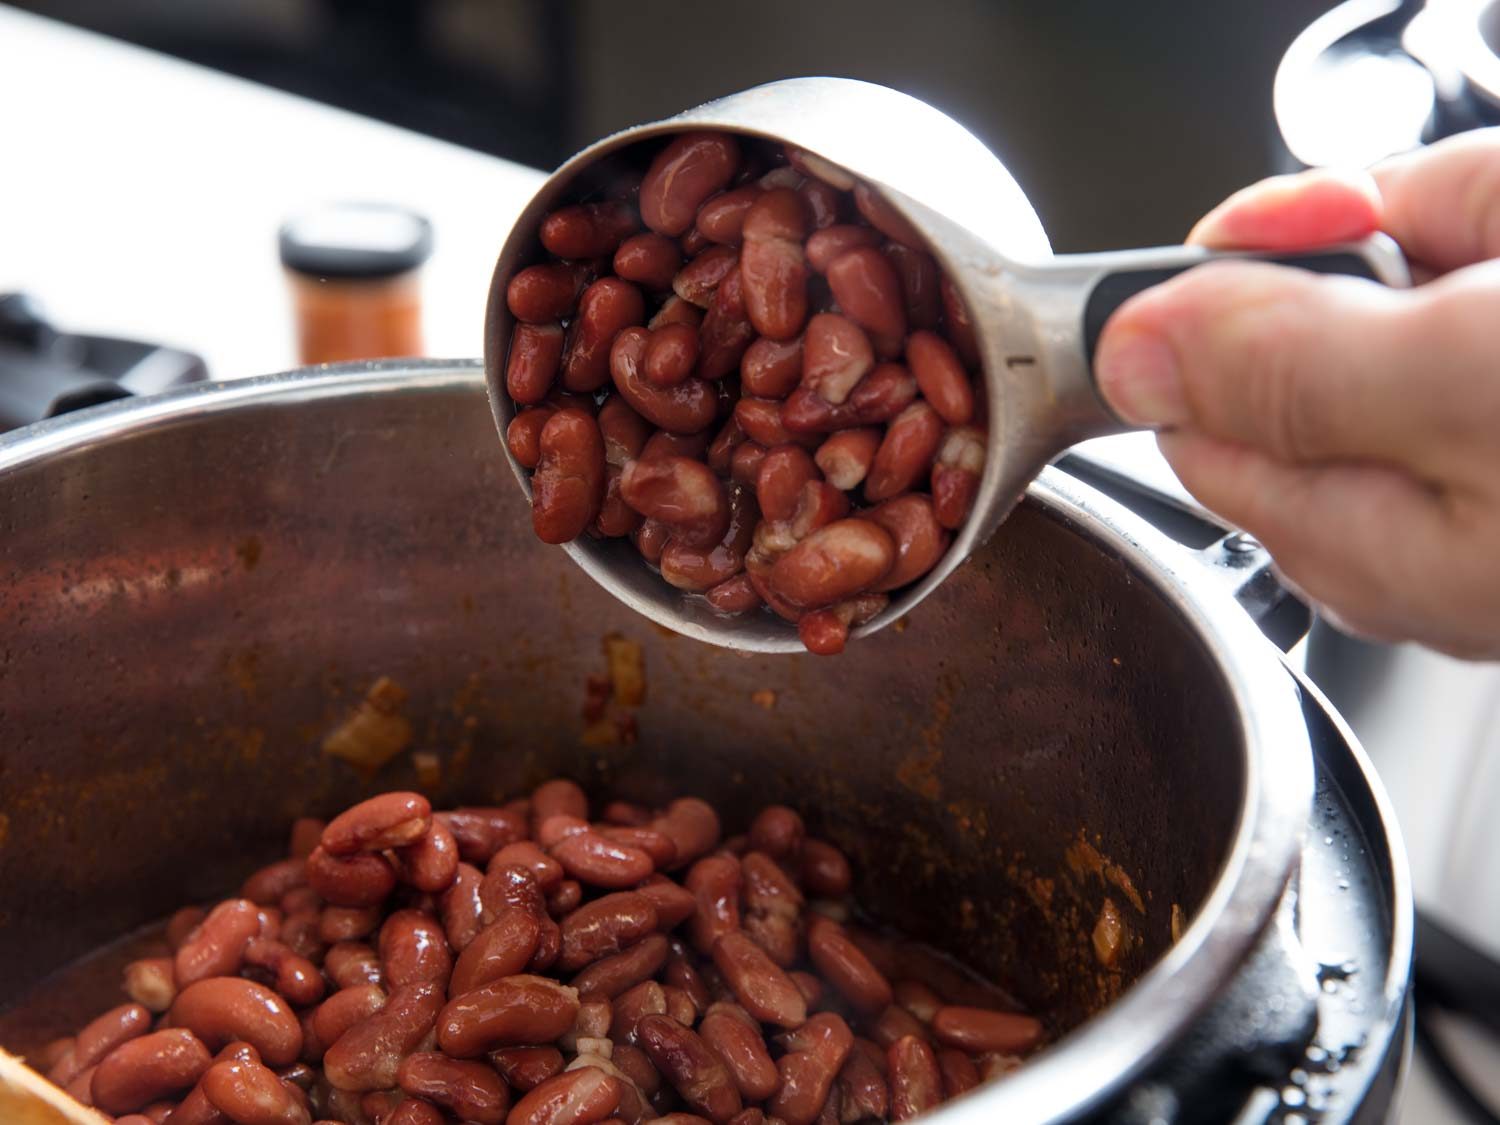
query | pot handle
(1120,275)
(1233,558)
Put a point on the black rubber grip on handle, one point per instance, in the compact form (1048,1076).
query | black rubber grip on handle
(1114,290)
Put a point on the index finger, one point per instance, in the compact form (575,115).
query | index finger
(1442,203)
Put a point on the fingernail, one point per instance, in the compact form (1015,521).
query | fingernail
(1138,376)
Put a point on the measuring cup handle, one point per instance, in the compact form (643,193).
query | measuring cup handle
(1129,272)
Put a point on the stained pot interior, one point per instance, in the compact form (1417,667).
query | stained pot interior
(189,610)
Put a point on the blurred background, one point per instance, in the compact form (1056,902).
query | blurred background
(154,148)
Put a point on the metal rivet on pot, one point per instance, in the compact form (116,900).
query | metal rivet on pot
(1241,543)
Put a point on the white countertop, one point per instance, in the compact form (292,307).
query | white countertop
(142,196)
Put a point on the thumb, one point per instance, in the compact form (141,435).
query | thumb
(1303,367)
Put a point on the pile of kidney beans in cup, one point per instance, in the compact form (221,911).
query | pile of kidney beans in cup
(754,370)
(527,965)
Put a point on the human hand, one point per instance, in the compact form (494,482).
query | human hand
(1353,429)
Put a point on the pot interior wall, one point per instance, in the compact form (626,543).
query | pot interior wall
(189,610)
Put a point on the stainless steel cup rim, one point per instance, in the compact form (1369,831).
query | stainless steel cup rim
(1083,1067)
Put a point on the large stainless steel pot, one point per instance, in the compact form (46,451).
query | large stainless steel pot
(195,588)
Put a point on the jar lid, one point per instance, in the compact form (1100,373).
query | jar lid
(355,240)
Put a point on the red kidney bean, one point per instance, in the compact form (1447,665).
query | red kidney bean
(101,1036)
(680,1005)
(306,834)
(920,539)
(663,444)
(657,845)
(414,950)
(726,332)
(269,918)
(768,889)
(216,946)
(861,1089)
(512,1011)
(772,266)
(684,409)
(470,1091)
(650,260)
(610,976)
(818,505)
(626,814)
(568,484)
(558,797)
(700,1077)
(675,310)
(959,325)
(268,885)
(461,907)
(671,354)
(833,563)
(638,1069)
(356,880)
(526,1068)
(431,863)
(917,999)
(149,982)
(920,278)
(575,1097)
(672,903)
(868,289)
(783,472)
(734,595)
(514,885)
(413,1111)
(836,355)
(607,307)
(831,243)
(535,357)
(547,293)
(680,492)
(343,1010)
(597,861)
(842,963)
(941,377)
(960,1075)
(696,282)
(956,474)
(845,458)
(481,832)
(896,1023)
(735,1037)
(885,218)
(823,632)
(906,453)
(587,230)
(347,923)
(744,466)
(523,436)
(775,934)
(502,949)
(293,975)
(351,963)
(693,243)
(564,897)
(147,1068)
(824,870)
(221,1010)
(182,923)
(690,169)
(977,1030)
(771,369)
(604,927)
(644,999)
(761,419)
(715,885)
(916,1082)
(815,1054)
(758,983)
(368,1055)
(250,1094)
(548,871)
(623,430)
(825,203)
(882,394)
(722,218)
(721,451)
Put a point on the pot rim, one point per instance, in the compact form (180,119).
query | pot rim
(1101,1055)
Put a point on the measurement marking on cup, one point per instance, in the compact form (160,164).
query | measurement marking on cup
(1013,361)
